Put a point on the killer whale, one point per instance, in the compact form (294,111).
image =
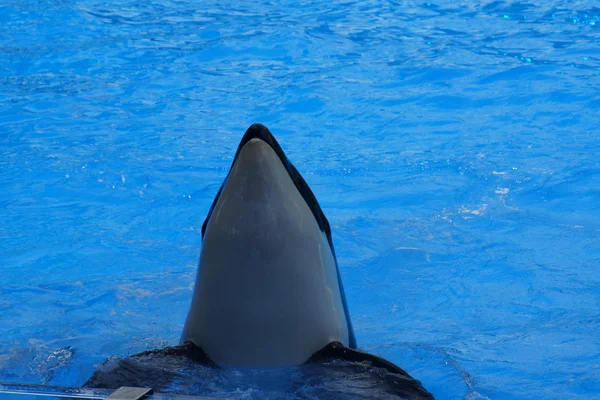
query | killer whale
(268,290)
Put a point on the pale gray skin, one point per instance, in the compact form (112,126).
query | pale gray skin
(267,291)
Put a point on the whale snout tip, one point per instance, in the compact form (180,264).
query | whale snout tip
(259,131)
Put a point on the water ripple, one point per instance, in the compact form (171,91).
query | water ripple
(451,144)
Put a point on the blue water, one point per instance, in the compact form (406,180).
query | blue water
(453,147)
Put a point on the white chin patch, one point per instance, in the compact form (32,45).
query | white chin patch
(267,292)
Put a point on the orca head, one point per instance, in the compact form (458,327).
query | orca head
(268,290)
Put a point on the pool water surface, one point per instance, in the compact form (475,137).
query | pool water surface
(452,146)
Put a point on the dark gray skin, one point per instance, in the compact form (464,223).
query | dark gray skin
(381,378)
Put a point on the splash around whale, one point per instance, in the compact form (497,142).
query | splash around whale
(268,294)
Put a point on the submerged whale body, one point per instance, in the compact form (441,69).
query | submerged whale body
(268,293)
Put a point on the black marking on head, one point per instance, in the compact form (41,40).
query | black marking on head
(259,131)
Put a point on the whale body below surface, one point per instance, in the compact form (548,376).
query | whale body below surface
(268,293)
